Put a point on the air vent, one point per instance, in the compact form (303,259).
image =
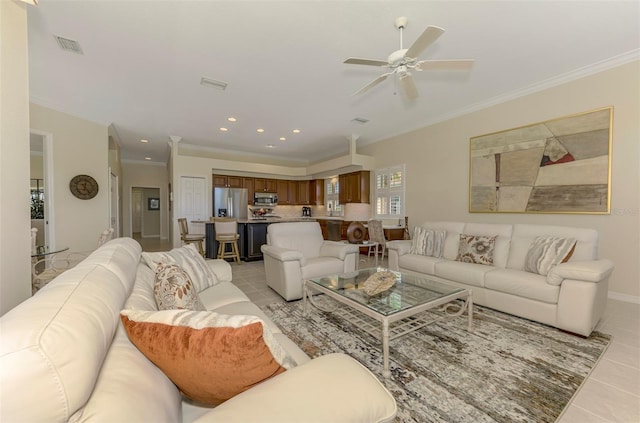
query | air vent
(69,45)
(359,120)
(213,83)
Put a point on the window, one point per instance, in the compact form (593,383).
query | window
(389,195)
(332,196)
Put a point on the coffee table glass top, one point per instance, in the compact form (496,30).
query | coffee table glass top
(410,290)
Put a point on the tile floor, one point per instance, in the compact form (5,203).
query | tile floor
(610,394)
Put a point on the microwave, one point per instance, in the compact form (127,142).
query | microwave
(265,199)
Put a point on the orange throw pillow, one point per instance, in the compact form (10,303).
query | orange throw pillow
(211,357)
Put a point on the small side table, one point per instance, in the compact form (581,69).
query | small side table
(366,243)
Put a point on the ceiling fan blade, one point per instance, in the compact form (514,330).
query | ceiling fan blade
(369,62)
(373,83)
(408,86)
(455,64)
(424,40)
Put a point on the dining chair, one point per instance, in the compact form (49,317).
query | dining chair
(376,234)
(227,234)
(188,238)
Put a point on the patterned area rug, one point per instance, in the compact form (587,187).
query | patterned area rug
(508,369)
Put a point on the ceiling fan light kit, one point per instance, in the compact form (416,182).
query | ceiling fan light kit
(402,61)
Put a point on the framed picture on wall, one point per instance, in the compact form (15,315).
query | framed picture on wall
(154,204)
(561,165)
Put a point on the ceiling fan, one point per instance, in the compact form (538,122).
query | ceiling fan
(401,61)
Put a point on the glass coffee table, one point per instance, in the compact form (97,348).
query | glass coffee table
(394,312)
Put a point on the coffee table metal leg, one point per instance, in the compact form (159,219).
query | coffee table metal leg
(385,348)
(470,311)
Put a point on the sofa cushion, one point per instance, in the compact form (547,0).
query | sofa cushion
(466,273)
(305,237)
(428,242)
(209,356)
(502,232)
(476,249)
(420,264)
(546,252)
(247,308)
(54,343)
(222,294)
(522,284)
(173,289)
(188,257)
(452,231)
(524,235)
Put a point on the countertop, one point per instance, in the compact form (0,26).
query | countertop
(294,219)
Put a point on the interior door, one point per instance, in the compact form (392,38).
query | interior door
(193,202)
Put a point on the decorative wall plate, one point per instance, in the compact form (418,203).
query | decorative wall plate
(83,187)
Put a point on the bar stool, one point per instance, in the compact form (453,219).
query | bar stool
(227,233)
(188,238)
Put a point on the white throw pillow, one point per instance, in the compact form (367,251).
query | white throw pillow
(173,289)
(428,242)
(547,252)
(190,260)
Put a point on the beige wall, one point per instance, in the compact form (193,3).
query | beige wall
(79,147)
(437,164)
(145,175)
(15,242)
(150,218)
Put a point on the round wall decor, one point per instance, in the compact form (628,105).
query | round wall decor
(83,187)
(356,232)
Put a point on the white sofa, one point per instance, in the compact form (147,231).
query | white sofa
(65,356)
(571,297)
(296,251)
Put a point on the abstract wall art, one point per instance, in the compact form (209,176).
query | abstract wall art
(558,166)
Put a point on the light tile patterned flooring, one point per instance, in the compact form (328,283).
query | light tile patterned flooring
(610,394)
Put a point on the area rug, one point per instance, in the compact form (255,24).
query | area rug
(507,369)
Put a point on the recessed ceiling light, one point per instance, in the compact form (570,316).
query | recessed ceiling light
(260,130)
(144,141)
(271,146)
(232,119)
(224,129)
(147,158)
(283,139)
(296,131)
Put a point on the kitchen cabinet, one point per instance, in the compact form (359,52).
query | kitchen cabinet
(354,187)
(392,234)
(265,185)
(292,192)
(249,184)
(227,181)
(316,192)
(256,237)
(304,192)
(283,192)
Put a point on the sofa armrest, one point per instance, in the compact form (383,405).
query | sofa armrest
(283,254)
(337,249)
(587,271)
(312,392)
(401,247)
(220,268)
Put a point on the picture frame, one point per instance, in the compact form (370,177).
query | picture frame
(153,204)
(561,165)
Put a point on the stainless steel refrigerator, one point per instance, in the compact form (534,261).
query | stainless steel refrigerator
(230,202)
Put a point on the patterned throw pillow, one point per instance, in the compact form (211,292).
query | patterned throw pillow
(211,357)
(428,242)
(476,249)
(173,289)
(190,260)
(546,252)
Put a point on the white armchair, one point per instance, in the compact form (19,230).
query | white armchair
(296,251)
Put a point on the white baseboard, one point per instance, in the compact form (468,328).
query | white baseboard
(150,236)
(624,297)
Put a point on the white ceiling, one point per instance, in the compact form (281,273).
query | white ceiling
(143,61)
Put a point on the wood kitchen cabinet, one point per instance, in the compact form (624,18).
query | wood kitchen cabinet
(304,193)
(354,187)
(227,181)
(265,185)
(283,192)
(249,184)
(316,192)
(292,188)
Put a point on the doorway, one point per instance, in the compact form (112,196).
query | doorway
(41,187)
(146,218)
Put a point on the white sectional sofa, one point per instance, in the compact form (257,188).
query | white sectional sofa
(572,296)
(65,356)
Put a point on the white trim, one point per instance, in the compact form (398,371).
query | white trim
(624,297)
(49,208)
